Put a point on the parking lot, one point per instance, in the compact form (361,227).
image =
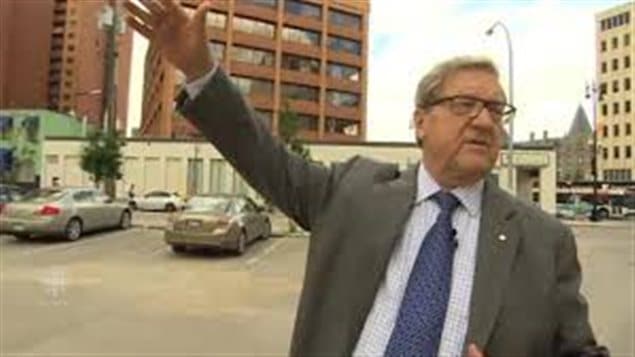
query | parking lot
(126,293)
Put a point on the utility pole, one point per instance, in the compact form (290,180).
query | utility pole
(111,23)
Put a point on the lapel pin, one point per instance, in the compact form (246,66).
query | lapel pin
(502,238)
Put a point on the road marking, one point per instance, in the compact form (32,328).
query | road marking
(251,262)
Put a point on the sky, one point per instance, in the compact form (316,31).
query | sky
(553,58)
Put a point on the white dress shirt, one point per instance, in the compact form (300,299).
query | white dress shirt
(466,220)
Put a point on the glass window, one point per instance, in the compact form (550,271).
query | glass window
(627,129)
(614,42)
(627,39)
(603,88)
(252,86)
(342,99)
(605,109)
(342,126)
(267,3)
(340,18)
(615,66)
(302,9)
(343,72)
(603,67)
(253,56)
(616,86)
(344,45)
(627,152)
(605,131)
(308,122)
(300,36)
(603,46)
(616,130)
(627,106)
(299,92)
(605,153)
(215,19)
(254,27)
(217,176)
(616,152)
(616,108)
(301,64)
(627,84)
(627,62)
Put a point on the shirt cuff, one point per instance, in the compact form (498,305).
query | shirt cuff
(195,87)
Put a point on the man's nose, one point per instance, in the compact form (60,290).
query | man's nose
(484,119)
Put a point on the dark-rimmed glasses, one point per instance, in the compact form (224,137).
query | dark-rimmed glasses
(471,107)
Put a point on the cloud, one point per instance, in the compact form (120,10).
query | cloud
(553,44)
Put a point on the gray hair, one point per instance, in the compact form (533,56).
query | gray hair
(429,88)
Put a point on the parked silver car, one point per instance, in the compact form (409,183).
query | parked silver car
(220,221)
(158,201)
(66,212)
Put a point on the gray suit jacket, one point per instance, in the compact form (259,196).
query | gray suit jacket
(525,300)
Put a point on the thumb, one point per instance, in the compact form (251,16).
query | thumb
(199,16)
(473,351)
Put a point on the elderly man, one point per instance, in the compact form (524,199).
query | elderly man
(435,260)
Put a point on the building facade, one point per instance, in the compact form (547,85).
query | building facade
(309,56)
(22,134)
(52,56)
(191,166)
(615,34)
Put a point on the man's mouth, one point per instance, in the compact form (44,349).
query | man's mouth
(479,142)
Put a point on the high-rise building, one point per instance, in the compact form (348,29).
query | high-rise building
(52,56)
(309,55)
(615,34)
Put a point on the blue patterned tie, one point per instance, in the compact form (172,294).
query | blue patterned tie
(419,325)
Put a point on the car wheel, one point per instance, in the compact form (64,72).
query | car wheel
(603,214)
(170,207)
(178,248)
(73,229)
(22,236)
(267,233)
(126,220)
(241,244)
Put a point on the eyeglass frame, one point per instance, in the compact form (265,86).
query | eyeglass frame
(505,116)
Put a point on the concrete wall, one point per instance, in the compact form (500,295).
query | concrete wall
(164,165)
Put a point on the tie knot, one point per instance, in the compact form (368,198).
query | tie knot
(446,201)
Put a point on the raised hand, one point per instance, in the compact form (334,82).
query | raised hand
(180,39)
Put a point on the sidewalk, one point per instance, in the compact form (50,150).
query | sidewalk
(159,221)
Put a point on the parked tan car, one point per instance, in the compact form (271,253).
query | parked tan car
(66,212)
(228,222)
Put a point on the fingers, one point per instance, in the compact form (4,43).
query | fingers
(169,5)
(140,27)
(154,7)
(142,15)
(473,351)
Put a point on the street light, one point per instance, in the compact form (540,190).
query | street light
(595,95)
(510,144)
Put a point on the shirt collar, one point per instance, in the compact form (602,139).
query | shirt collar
(469,196)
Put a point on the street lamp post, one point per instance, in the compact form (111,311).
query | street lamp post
(594,94)
(510,144)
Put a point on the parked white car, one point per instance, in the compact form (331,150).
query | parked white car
(158,201)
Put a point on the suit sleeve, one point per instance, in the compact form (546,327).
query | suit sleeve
(298,187)
(575,336)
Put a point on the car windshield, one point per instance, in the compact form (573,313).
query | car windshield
(43,195)
(208,204)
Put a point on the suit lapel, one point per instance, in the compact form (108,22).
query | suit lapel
(497,245)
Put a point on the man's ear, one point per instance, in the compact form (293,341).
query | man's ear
(418,118)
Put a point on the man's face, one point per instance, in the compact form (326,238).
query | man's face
(463,145)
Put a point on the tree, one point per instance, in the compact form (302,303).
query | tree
(102,158)
(288,128)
